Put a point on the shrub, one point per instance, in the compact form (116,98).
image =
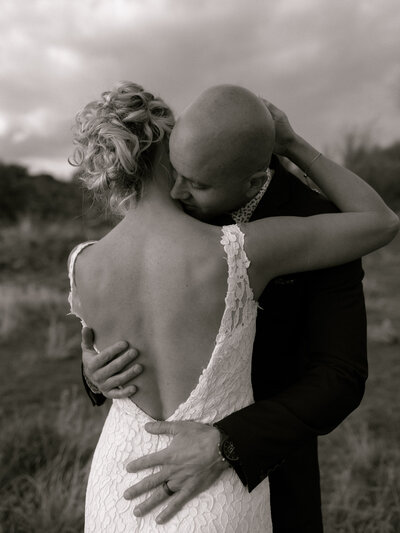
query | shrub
(380,167)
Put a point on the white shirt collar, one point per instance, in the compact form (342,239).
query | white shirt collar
(245,213)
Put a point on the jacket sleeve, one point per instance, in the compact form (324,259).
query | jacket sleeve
(96,399)
(330,388)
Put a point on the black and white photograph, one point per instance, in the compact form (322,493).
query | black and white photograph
(199,266)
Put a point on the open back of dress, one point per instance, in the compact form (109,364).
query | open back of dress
(223,387)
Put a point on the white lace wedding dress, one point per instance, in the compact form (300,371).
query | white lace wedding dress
(223,387)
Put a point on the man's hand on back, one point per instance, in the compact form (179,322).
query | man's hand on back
(190,464)
(112,370)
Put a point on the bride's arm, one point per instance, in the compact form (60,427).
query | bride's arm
(281,245)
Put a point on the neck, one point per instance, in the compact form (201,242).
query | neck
(155,204)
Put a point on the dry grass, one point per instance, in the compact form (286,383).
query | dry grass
(45,462)
(38,308)
(360,488)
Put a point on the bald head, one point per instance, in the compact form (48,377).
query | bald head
(227,130)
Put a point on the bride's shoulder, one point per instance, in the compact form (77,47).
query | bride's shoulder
(76,250)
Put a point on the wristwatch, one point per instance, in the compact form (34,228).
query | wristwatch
(227,449)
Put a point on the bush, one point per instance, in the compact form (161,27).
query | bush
(380,167)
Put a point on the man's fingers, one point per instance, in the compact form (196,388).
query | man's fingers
(109,353)
(122,362)
(118,394)
(148,483)
(162,428)
(175,504)
(147,461)
(87,339)
(123,378)
(158,496)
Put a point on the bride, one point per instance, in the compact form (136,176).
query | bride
(186,292)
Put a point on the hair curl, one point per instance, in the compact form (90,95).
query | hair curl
(116,138)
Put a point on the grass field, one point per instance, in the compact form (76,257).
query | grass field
(49,428)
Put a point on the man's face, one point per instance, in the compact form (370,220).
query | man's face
(202,186)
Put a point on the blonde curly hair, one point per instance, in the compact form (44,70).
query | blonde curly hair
(116,138)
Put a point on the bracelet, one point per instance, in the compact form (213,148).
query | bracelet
(312,162)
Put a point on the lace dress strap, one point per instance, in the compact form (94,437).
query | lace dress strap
(73,298)
(239,301)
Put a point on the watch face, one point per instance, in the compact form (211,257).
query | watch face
(229,450)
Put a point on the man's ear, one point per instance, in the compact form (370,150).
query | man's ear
(256,181)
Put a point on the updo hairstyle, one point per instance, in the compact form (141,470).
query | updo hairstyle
(116,138)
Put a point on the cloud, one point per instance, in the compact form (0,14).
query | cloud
(331,66)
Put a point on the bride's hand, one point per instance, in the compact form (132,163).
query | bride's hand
(285,136)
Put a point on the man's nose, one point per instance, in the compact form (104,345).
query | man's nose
(179,190)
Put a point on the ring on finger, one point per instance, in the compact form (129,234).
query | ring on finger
(166,488)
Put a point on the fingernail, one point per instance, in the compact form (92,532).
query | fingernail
(137,512)
(137,368)
(132,389)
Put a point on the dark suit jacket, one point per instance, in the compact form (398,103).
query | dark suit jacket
(308,371)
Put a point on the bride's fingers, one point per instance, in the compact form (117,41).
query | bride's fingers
(148,461)
(146,484)
(275,111)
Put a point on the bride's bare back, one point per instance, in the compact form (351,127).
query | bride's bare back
(162,289)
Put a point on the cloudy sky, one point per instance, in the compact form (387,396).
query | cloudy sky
(333,66)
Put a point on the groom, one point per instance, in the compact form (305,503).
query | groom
(309,359)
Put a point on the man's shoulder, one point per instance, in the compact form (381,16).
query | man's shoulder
(287,195)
